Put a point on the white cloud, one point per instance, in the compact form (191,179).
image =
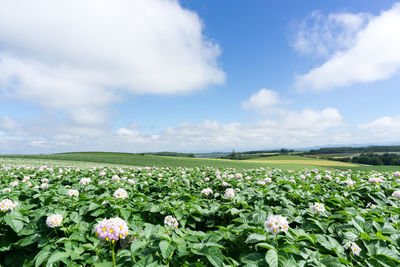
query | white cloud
(385,129)
(373,56)
(261,100)
(321,35)
(81,56)
(7,124)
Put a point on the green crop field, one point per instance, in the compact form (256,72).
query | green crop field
(202,216)
(284,162)
(127,159)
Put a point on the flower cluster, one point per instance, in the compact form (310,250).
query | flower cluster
(44,186)
(349,182)
(276,223)
(206,191)
(355,250)
(171,221)
(85,181)
(318,207)
(120,193)
(7,204)
(6,190)
(229,193)
(396,194)
(72,192)
(115,178)
(54,220)
(375,180)
(112,229)
(14,183)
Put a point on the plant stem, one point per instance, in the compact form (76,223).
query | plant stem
(113,254)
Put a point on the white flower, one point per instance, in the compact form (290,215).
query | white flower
(268,180)
(207,191)
(6,190)
(276,223)
(115,178)
(44,186)
(44,180)
(225,184)
(14,183)
(229,193)
(120,193)
(349,182)
(72,192)
(85,181)
(261,182)
(7,204)
(206,179)
(396,194)
(318,207)
(130,181)
(54,220)
(375,180)
(171,221)
(355,249)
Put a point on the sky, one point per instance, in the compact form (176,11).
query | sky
(197,75)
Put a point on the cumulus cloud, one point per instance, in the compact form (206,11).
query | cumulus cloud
(81,56)
(372,55)
(322,35)
(385,129)
(263,99)
(8,124)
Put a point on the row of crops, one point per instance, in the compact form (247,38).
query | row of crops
(59,216)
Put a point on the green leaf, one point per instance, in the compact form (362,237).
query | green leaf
(214,256)
(28,240)
(77,236)
(56,257)
(136,245)
(265,245)
(75,217)
(166,248)
(103,264)
(254,238)
(271,257)
(41,257)
(16,225)
(388,253)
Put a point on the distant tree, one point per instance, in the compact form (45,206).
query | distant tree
(233,155)
(191,155)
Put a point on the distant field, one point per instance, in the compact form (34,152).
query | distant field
(145,160)
(303,161)
(126,159)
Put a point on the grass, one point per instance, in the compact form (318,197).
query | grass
(141,160)
(127,159)
(304,162)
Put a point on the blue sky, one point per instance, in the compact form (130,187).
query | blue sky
(197,76)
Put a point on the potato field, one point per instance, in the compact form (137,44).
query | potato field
(203,216)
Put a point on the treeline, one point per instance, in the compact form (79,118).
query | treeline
(373,159)
(170,154)
(280,151)
(338,150)
(256,154)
